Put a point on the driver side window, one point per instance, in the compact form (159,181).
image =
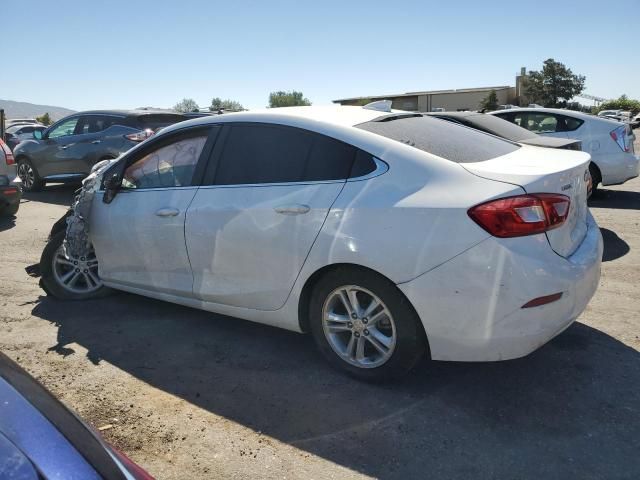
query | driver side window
(64,129)
(172,165)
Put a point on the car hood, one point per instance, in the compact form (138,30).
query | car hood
(549,142)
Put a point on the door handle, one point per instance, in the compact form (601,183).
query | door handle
(95,142)
(64,147)
(167,212)
(296,209)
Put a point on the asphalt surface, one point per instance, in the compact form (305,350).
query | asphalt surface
(189,394)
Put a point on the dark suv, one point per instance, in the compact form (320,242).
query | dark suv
(68,149)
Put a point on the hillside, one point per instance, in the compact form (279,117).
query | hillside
(31,110)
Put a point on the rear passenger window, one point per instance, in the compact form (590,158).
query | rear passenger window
(257,154)
(571,123)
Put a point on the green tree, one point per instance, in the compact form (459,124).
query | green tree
(287,99)
(622,103)
(554,85)
(44,119)
(219,104)
(186,105)
(490,102)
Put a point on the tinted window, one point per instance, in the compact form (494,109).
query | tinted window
(571,123)
(447,140)
(498,126)
(95,123)
(169,166)
(256,154)
(329,159)
(64,129)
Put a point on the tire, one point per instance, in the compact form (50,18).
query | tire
(53,272)
(31,181)
(404,339)
(596,178)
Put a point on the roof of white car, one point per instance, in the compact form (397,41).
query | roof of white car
(570,113)
(346,116)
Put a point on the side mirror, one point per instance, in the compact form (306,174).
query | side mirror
(37,134)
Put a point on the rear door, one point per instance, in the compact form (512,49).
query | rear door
(88,146)
(139,237)
(251,226)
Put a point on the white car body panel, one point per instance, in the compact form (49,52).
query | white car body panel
(247,243)
(410,224)
(616,166)
(138,248)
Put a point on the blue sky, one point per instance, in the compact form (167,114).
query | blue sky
(120,54)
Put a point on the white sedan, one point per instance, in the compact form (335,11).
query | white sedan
(388,235)
(610,143)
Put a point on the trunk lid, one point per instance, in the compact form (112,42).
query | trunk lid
(539,170)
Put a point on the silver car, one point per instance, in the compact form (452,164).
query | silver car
(10,191)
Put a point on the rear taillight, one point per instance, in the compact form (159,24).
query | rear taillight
(521,215)
(136,471)
(619,135)
(140,136)
(7,153)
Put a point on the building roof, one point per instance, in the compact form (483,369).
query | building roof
(426,92)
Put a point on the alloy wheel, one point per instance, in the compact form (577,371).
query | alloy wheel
(27,175)
(358,326)
(78,274)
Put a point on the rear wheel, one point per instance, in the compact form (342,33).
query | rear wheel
(69,278)
(364,326)
(12,210)
(596,177)
(31,181)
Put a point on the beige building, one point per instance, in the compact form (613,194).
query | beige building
(450,100)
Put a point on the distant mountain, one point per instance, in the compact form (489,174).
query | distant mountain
(30,110)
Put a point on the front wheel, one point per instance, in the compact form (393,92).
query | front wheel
(69,278)
(31,181)
(364,325)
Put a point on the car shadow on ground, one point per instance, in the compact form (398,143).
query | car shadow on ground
(614,246)
(618,199)
(7,222)
(58,194)
(569,410)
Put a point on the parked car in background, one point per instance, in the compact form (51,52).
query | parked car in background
(41,439)
(10,191)
(609,113)
(68,149)
(17,133)
(20,121)
(502,128)
(388,235)
(609,143)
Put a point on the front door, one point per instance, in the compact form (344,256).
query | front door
(139,237)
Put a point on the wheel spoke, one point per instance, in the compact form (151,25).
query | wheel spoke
(337,318)
(351,347)
(344,297)
(355,304)
(74,279)
(63,261)
(372,306)
(380,337)
(94,278)
(360,349)
(67,276)
(373,320)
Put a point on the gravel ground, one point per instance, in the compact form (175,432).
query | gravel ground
(189,394)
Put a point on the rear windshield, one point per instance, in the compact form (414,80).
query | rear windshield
(447,140)
(156,121)
(498,126)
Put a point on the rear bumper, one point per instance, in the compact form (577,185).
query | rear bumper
(471,306)
(619,168)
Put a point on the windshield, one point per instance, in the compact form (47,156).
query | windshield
(450,141)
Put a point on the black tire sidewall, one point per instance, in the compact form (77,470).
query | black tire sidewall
(48,281)
(410,338)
